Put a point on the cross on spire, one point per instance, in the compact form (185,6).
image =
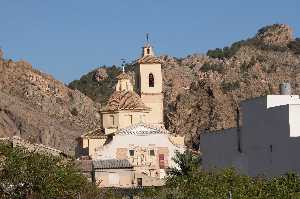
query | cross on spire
(147,38)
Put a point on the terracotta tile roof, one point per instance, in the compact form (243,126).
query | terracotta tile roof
(149,59)
(125,100)
(142,129)
(112,164)
(100,132)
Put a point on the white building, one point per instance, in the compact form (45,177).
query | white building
(267,143)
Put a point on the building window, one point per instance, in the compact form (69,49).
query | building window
(151,80)
(139,182)
(152,152)
(161,161)
(130,119)
(131,152)
(148,51)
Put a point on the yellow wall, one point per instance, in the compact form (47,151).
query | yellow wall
(123,119)
(151,96)
(144,71)
(155,102)
(95,144)
(125,177)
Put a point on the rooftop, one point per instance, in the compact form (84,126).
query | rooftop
(96,133)
(112,164)
(142,129)
(125,100)
(149,59)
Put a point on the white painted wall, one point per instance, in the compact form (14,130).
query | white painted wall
(268,136)
(128,141)
(278,100)
(226,144)
(294,120)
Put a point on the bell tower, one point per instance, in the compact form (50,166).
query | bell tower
(149,83)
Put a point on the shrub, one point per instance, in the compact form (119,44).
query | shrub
(226,52)
(212,67)
(230,86)
(295,46)
(26,174)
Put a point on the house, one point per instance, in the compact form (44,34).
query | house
(113,173)
(267,143)
(132,129)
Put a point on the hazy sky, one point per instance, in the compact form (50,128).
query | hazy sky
(68,38)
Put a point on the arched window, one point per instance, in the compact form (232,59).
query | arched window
(151,80)
(148,51)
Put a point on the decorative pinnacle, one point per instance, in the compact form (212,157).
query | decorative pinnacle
(123,64)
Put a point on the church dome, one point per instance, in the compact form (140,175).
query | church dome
(125,100)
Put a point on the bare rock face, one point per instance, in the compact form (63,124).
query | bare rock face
(275,35)
(35,106)
(100,74)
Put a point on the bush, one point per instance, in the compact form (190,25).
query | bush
(295,46)
(212,67)
(226,52)
(26,174)
(230,86)
(198,183)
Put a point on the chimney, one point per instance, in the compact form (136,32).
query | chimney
(285,89)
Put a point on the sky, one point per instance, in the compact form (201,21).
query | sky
(68,38)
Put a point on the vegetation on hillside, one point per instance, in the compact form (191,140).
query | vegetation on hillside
(26,174)
(98,91)
(193,183)
(227,51)
(295,46)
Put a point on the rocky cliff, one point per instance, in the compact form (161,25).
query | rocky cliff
(203,92)
(41,109)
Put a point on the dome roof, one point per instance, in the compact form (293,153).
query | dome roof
(125,100)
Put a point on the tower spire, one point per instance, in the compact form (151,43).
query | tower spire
(147,49)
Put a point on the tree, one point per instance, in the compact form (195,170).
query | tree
(27,174)
(186,162)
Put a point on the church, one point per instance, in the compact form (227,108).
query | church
(132,147)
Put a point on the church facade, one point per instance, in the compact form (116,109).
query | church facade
(132,130)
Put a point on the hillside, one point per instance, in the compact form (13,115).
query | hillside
(202,92)
(41,109)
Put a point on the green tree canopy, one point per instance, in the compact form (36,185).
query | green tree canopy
(26,174)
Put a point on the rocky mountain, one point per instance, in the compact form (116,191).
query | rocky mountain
(41,109)
(203,92)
